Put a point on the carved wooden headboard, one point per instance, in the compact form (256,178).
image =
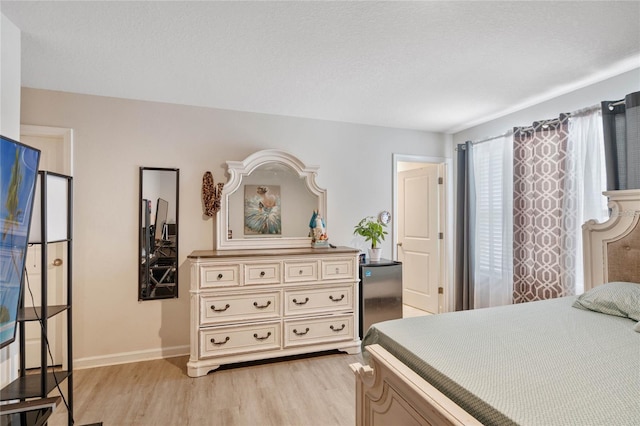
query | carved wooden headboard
(612,248)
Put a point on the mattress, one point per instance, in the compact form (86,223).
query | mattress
(538,363)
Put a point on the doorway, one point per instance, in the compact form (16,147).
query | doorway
(56,146)
(422,230)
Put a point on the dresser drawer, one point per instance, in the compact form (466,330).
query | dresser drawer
(239,307)
(262,273)
(300,271)
(337,269)
(232,340)
(318,300)
(319,330)
(219,275)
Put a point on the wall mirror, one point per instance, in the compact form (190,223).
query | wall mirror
(158,233)
(268,202)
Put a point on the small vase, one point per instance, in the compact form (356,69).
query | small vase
(375,254)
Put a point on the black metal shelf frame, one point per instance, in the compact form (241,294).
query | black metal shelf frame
(39,385)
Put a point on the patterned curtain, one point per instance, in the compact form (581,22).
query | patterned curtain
(539,168)
(621,122)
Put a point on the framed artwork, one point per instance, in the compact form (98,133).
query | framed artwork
(262,210)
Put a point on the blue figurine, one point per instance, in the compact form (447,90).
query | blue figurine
(317,227)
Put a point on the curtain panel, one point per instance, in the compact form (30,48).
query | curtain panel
(464,231)
(539,167)
(621,126)
(584,184)
(493,222)
(484,218)
(522,199)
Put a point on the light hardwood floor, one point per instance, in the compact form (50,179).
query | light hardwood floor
(410,311)
(315,390)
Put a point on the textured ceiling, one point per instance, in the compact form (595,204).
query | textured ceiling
(436,66)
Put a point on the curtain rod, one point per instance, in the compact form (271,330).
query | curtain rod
(508,133)
(544,123)
(614,104)
(586,110)
(505,134)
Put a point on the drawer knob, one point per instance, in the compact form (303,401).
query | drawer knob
(262,273)
(304,302)
(220,343)
(261,306)
(255,336)
(300,272)
(213,308)
(337,329)
(300,333)
(337,270)
(335,299)
(219,276)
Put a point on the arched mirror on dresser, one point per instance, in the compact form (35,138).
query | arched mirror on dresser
(267,202)
(158,233)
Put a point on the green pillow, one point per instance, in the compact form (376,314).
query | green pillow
(616,298)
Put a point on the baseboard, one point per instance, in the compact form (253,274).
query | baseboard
(127,357)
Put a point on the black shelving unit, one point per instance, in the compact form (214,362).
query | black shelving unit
(32,385)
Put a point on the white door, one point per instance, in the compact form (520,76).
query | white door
(420,227)
(55,147)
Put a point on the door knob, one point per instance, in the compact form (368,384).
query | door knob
(57,262)
(399,244)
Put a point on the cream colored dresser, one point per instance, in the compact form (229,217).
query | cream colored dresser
(255,304)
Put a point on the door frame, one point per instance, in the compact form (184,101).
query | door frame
(66,136)
(46,131)
(446,304)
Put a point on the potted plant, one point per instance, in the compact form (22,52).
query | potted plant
(372,230)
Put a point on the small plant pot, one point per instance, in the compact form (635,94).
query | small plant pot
(375,254)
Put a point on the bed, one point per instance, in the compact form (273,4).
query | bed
(567,361)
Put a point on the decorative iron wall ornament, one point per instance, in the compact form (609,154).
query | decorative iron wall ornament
(211,194)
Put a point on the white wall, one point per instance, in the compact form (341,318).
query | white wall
(611,89)
(114,137)
(10,127)
(9,79)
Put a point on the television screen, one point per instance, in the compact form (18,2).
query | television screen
(18,173)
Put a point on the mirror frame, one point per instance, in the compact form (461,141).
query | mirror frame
(141,267)
(237,170)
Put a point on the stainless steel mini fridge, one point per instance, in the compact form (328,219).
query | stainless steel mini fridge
(380,293)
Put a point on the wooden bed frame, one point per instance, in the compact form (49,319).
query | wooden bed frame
(390,393)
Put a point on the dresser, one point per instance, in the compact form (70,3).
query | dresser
(255,304)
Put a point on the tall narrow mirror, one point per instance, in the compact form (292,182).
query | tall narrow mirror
(158,233)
